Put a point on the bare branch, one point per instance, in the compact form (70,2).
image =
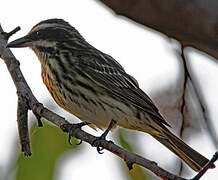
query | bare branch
(197,91)
(185,84)
(22,120)
(183,105)
(8,35)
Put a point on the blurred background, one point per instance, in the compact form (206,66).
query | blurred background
(151,57)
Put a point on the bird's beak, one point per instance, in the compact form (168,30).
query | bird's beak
(21,42)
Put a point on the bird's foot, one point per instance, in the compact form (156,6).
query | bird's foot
(97,143)
(98,140)
(71,129)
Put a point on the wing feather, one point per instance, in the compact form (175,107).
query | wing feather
(110,75)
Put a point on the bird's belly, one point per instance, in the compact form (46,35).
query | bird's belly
(98,109)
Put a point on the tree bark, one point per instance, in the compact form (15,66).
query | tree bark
(193,23)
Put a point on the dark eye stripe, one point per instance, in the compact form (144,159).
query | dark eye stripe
(49,50)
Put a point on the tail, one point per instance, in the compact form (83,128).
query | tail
(191,157)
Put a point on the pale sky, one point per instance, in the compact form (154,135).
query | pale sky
(145,54)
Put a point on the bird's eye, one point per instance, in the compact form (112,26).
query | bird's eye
(37,33)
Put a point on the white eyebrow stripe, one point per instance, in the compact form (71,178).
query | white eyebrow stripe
(44,26)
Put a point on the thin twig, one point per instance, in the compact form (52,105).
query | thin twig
(183,105)
(22,121)
(186,77)
(9,34)
(208,123)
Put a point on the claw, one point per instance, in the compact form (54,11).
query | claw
(69,139)
(80,142)
(99,149)
(72,128)
(97,144)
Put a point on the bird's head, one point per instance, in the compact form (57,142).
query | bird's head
(45,34)
(48,36)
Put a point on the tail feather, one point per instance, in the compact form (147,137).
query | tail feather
(194,159)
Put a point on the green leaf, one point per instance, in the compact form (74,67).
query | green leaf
(48,144)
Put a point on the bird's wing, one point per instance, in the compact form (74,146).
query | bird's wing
(110,75)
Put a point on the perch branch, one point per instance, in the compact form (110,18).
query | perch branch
(26,98)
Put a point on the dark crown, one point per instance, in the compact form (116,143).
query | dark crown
(53,21)
(54,30)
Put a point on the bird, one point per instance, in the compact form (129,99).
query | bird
(94,87)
